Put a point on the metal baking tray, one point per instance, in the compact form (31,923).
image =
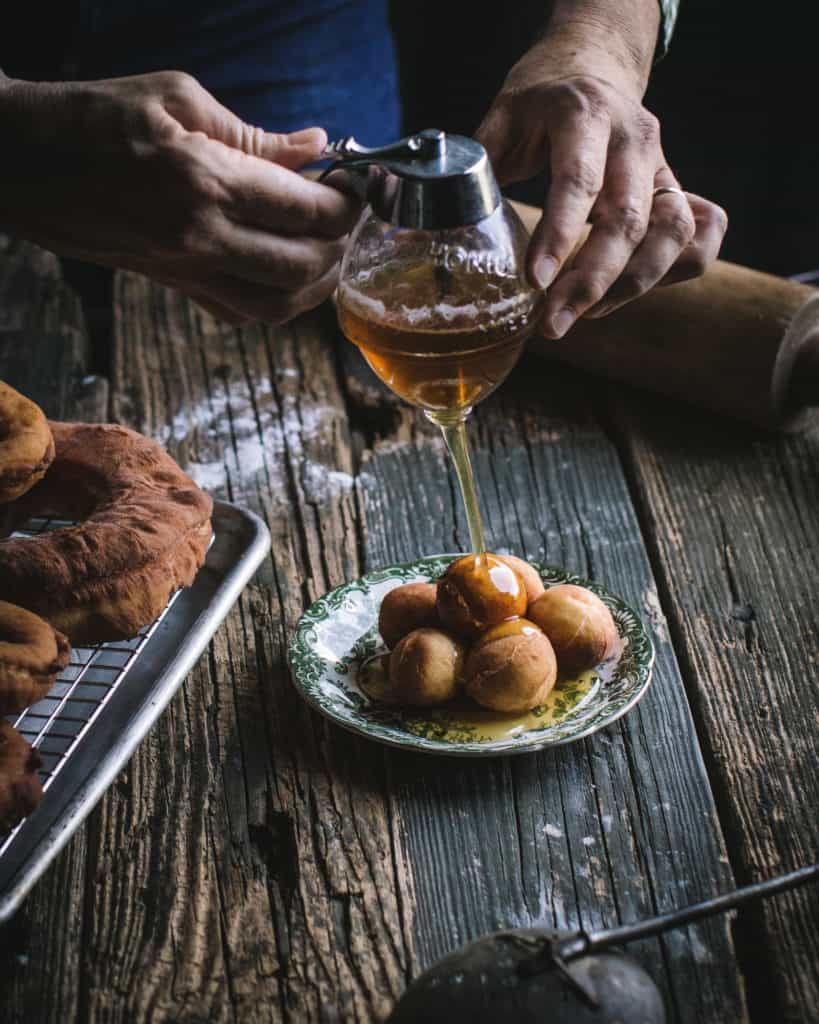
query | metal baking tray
(90,723)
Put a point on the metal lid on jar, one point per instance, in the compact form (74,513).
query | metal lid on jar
(431,180)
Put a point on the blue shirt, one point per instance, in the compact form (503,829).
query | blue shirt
(278,64)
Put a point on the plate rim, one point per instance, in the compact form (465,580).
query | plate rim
(423,745)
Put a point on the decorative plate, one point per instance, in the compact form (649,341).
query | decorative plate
(338,634)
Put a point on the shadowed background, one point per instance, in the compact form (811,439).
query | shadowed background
(732,97)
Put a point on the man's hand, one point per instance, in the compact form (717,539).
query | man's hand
(573,104)
(151,173)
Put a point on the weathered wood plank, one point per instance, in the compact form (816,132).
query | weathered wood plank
(614,828)
(43,350)
(255,862)
(261,843)
(33,295)
(734,534)
(288,449)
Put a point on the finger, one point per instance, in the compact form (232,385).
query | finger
(514,156)
(711,224)
(495,135)
(216,309)
(671,227)
(264,195)
(197,110)
(252,301)
(292,150)
(620,221)
(577,166)
(288,150)
(314,294)
(275,261)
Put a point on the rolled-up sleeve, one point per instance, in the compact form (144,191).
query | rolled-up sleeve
(668,18)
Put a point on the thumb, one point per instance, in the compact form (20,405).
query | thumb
(291,150)
(495,135)
(197,110)
(515,155)
(294,150)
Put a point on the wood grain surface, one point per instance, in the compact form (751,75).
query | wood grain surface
(254,862)
(734,536)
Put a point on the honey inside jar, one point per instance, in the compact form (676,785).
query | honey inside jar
(441,316)
(421,333)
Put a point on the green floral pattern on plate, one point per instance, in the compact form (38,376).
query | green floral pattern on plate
(339,632)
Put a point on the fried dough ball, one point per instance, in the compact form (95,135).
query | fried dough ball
(512,667)
(479,591)
(528,573)
(580,626)
(426,667)
(406,608)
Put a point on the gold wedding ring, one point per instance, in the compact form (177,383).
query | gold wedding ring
(665,190)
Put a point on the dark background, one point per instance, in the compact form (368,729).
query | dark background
(733,96)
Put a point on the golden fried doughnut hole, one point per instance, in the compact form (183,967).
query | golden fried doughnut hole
(580,626)
(406,608)
(479,591)
(528,573)
(426,667)
(512,667)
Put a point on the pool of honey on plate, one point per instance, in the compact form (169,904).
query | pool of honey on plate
(440,350)
(462,719)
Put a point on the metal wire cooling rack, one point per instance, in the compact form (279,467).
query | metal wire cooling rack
(89,724)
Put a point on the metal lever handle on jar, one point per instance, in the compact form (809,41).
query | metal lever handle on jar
(429,180)
(366,169)
(429,142)
(365,166)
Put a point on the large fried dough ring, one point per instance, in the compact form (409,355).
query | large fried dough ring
(144,528)
(32,653)
(26,444)
(20,788)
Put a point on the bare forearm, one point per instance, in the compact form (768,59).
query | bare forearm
(619,36)
(19,128)
(20,120)
(151,173)
(32,116)
(41,124)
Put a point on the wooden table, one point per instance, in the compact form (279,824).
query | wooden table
(256,863)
